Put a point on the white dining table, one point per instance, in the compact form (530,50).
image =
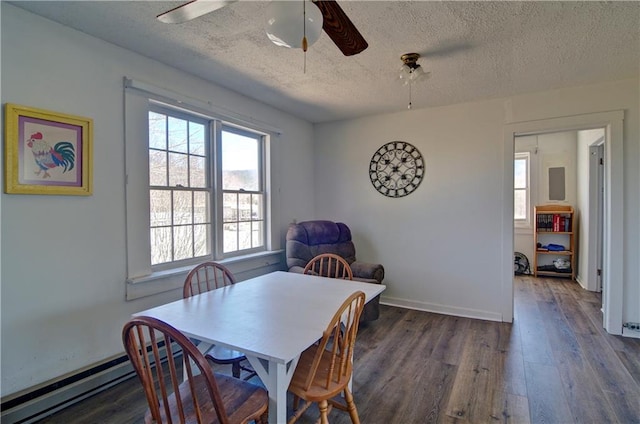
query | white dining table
(272,319)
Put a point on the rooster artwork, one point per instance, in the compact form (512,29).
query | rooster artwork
(62,154)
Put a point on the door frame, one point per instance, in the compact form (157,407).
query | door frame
(613,246)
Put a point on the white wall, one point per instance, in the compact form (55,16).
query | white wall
(585,139)
(63,279)
(557,150)
(441,244)
(582,202)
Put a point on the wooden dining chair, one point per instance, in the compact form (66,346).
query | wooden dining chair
(329,265)
(203,397)
(324,369)
(203,278)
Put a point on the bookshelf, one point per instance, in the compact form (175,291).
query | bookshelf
(554,241)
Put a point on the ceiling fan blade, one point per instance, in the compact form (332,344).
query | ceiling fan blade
(340,29)
(191,10)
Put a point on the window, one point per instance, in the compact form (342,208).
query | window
(521,195)
(197,188)
(242,188)
(188,189)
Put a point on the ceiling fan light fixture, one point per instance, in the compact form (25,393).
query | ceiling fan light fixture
(288,22)
(411,71)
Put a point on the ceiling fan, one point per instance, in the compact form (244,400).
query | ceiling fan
(335,22)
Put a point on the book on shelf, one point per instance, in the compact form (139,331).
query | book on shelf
(554,223)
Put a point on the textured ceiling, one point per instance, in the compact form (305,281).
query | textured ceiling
(474,50)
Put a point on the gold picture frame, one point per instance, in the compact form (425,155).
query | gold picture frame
(47,152)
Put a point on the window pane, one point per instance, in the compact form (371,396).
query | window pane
(240,157)
(178,135)
(157,131)
(230,237)
(160,207)
(160,245)
(178,172)
(257,206)
(244,207)
(196,139)
(197,171)
(520,173)
(229,207)
(257,233)
(182,208)
(244,235)
(157,168)
(520,204)
(201,243)
(183,242)
(201,207)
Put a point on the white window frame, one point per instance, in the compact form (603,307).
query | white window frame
(209,188)
(221,127)
(215,129)
(141,279)
(525,223)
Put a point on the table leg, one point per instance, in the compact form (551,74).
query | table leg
(276,378)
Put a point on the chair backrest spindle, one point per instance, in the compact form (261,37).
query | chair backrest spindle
(205,277)
(340,337)
(143,338)
(329,265)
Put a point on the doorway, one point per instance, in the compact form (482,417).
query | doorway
(579,155)
(612,206)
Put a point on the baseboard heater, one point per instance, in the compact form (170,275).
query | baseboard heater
(36,403)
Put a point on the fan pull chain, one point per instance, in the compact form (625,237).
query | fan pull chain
(305,44)
(409,107)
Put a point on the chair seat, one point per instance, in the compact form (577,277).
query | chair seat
(318,390)
(243,402)
(222,355)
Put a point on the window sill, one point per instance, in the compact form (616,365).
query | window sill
(242,267)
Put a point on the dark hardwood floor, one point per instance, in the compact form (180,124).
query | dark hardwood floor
(555,364)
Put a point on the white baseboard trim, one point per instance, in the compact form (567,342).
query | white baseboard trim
(441,309)
(51,402)
(34,404)
(579,281)
(630,333)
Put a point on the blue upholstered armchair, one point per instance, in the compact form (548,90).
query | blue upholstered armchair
(310,238)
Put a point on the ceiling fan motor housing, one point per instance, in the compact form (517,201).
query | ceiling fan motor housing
(410,59)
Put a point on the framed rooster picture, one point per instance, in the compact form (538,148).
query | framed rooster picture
(47,152)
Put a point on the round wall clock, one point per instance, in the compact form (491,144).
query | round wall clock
(396,169)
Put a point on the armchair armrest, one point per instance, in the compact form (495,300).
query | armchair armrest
(368,271)
(297,269)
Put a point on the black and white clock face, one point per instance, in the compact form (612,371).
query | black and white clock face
(396,169)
